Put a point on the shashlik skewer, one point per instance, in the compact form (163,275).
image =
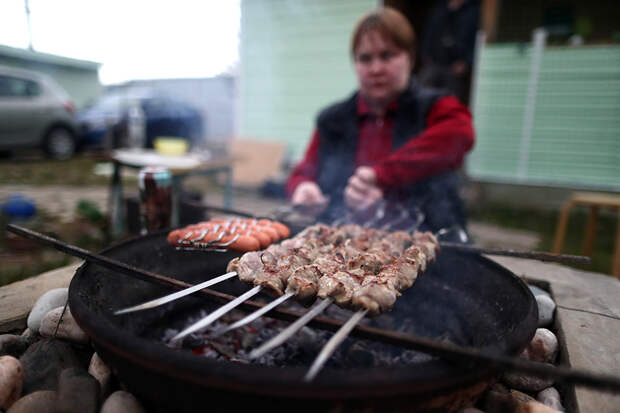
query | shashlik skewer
(333,343)
(376,295)
(251,263)
(326,285)
(253,316)
(291,329)
(301,279)
(204,322)
(174,296)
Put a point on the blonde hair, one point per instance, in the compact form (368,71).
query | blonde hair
(391,24)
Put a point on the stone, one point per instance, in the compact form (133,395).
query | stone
(122,402)
(543,347)
(501,400)
(587,311)
(100,371)
(43,361)
(497,399)
(11,381)
(526,383)
(546,308)
(43,401)
(67,329)
(13,345)
(51,299)
(78,392)
(538,291)
(551,397)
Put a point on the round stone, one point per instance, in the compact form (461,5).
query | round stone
(43,401)
(11,381)
(51,299)
(543,347)
(99,370)
(67,328)
(122,402)
(546,308)
(550,397)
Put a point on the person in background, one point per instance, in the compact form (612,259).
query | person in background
(448,46)
(391,140)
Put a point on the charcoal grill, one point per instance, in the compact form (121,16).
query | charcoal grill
(467,298)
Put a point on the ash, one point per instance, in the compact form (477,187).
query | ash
(300,350)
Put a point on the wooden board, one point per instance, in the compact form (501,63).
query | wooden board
(256,161)
(18,298)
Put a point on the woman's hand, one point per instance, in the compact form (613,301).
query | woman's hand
(362,190)
(309,195)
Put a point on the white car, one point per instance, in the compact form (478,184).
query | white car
(36,112)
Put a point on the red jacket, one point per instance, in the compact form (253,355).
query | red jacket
(449,135)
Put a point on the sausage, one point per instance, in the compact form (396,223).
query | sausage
(263,239)
(282,229)
(251,234)
(273,234)
(238,242)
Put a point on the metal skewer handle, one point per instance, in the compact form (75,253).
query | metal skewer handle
(290,330)
(333,344)
(174,296)
(251,317)
(217,313)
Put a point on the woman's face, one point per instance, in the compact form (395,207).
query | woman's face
(382,69)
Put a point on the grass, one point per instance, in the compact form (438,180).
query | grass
(544,223)
(39,171)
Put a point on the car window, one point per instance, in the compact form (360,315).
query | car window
(16,87)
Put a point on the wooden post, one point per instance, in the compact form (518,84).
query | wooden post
(615,266)
(561,227)
(590,231)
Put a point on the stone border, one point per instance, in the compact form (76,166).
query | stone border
(587,321)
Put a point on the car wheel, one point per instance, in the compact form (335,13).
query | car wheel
(60,144)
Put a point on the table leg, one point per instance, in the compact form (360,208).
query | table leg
(590,231)
(228,188)
(116,202)
(177,187)
(615,266)
(561,227)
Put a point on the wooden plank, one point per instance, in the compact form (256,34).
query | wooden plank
(258,161)
(18,298)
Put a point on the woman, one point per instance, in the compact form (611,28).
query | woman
(392,139)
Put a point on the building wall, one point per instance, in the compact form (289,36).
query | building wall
(295,60)
(575,133)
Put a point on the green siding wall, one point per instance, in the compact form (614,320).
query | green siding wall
(575,139)
(294,60)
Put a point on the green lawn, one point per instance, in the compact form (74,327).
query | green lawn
(544,223)
(41,171)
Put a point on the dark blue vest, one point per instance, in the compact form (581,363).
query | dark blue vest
(437,196)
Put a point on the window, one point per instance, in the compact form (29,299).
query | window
(16,87)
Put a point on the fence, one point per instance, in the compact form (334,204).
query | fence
(547,115)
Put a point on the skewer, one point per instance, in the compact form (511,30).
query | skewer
(171,297)
(251,317)
(291,329)
(333,344)
(204,322)
(536,255)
